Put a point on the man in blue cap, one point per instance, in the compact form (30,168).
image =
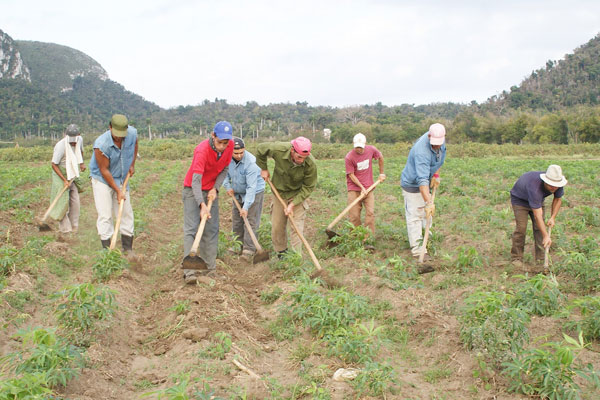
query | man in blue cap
(114,156)
(245,183)
(206,173)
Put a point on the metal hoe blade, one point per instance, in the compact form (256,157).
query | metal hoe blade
(194,262)
(260,256)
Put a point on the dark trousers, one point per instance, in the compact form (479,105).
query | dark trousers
(237,223)
(522,214)
(209,243)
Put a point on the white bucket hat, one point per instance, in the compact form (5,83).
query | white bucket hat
(554,176)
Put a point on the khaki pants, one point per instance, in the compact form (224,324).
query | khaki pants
(279,222)
(522,214)
(414,209)
(107,206)
(369,204)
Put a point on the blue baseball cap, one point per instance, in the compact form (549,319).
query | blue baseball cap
(223,130)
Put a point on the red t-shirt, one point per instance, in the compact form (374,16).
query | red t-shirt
(206,164)
(362,167)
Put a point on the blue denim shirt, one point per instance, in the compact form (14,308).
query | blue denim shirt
(244,178)
(119,159)
(422,163)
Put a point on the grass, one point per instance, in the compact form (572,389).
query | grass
(386,307)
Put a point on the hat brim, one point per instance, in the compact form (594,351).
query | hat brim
(550,182)
(119,132)
(361,145)
(224,135)
(436,141)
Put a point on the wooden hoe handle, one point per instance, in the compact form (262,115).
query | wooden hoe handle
(60,193)
(194,249)
(426,238)
(306,245)
(113,240)
(247,223)
(355,202)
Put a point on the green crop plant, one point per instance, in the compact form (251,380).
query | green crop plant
(110,263)
(356,344)
(8,259)
(182,307)
(271,296)
(350,240)
(467,259)
(227,240)
(375,379)
(44,352)
(316,392)
(293,265)
(582,266)
(325,312)
(29,386)
(264,233)
(490,326)
(550,371)
(80,307)
(538,295)
(398,274)
(589,322)
(221,346)
(179,391)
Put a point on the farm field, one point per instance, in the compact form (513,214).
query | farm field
(83,324)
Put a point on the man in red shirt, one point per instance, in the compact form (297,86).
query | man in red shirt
(359,177)
(207,172)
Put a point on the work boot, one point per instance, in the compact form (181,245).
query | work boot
(282,253)
(127,242)
(105,243)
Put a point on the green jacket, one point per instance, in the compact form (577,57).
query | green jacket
(291,180)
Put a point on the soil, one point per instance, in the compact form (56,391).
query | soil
(147,344)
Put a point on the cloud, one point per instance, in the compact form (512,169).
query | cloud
(324,52)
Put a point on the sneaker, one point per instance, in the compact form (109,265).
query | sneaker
(282,253)
(234,251)
(190,279)
(369,247)
(248,255)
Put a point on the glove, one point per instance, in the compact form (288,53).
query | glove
(429,210)
(435,182)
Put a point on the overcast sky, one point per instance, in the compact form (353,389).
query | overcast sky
(338,53)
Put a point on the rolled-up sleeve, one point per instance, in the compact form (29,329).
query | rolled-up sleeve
(262,153)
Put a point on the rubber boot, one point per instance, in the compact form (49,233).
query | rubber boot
(105,243)
(127,242)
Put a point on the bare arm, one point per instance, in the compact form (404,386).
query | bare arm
(424,190)
(57,170)
(556,203)
(539,221)
(103,164)
(132,167)
(354,179)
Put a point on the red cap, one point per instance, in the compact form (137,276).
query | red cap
(301,145)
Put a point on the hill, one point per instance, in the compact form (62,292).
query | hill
(572,81)
(48,86)
(55,67)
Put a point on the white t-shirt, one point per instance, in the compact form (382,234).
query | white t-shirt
(58,156)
